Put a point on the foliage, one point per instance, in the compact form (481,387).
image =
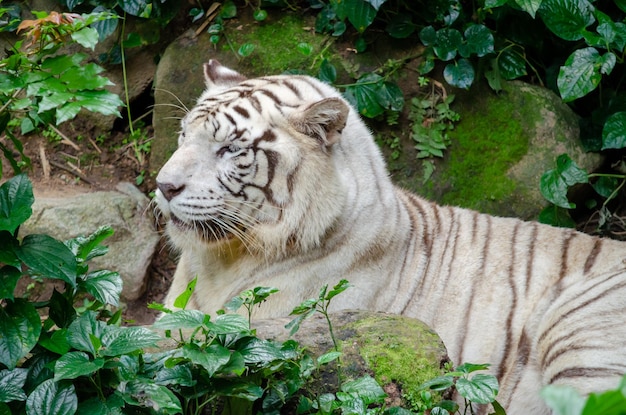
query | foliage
(39,86)
(565,400)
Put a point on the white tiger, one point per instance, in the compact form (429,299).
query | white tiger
(277,182)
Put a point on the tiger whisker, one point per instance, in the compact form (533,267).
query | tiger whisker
(182,104)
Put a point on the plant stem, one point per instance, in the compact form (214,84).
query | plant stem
(125,77)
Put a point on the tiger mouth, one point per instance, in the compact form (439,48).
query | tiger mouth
(209,231)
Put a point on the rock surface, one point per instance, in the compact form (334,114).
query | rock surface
(126,210)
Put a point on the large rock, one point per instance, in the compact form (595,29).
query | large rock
(499,150)
(130,248)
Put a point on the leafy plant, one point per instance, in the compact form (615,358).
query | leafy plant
(565,400)
(39,87)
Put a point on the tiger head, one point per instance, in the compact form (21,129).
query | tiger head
(255,165)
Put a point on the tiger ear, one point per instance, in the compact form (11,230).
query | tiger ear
(323,120)
(215,74)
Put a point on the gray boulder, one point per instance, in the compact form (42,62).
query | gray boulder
(126,210)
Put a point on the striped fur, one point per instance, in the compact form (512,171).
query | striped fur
(277,182)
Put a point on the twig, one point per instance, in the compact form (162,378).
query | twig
(70,170)
(65,139)
(211,13)
(93,143)
(45,165)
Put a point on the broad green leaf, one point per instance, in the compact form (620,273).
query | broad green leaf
(360,13)
(8,279)
(139,8)
(367,389)
(529,6)
(365,92)
(567,18)
(228,324)
(260,15)
(182,319)
(86,37)
(105,286)
(459,74)
(101,101)
(86,248)
(246,49)
(259,351)
(106,27)
(84,330)
(512,63)
(492,4)
(49,258)
(621,4)
(478,41)
(328,357)
(481,388)
(390,96)
(67,112)
(16,200)
(183,298)
(614,131)
(610,402)
(20,327)
(447,43)
(11,384)
(94,406)
(439,383)
(241,389)
(328,72)
(177,375)
(54,100)
(607,62)
(428,36)
(212,359)
(56,343)
(75,364)
(118,341)
(304,48)
(61,310)
(145,393)
(340,287)
(606,186)
(229,10)
(52,398)
(555,183)
(400,26)
(471,367)
(563,400)
(57,65)
(580,75)
(85,77)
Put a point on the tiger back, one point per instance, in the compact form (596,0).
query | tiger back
(278,182)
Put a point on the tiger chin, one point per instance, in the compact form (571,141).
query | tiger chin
(278,182)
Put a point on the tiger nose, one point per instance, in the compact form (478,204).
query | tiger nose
(169,190)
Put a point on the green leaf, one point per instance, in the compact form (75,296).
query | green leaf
(8,280)
(459,74)
(614,131)
(177,375)
(340,287)
(512,63)
(183,298)
(86,37)
(117,341)
(11,384)
(567,18)
(56,342)
(481,388)
(259,351)
(75,364)
(471,367)
(365,93)
(328,72)
(62,312)
(554,184)
(139,8)
(20,327)
(439,383)
(16,200)
(376,3)
(328,357)
(182,319)
(228,324)
(260,15)
(581,74)
(400,26)
(563,400)
(478,41)
(610,402)
(229,10)
(246,49)
(390,96)
(428,36)
(606,186)
(145,393)
(86,248)
(304,48)
(366,388)
(49,258)
(52,398)
(447,43)
(212,359)
(84,331)
(360,13)
(529,6)
(105,286)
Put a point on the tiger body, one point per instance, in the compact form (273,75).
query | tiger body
(277,182)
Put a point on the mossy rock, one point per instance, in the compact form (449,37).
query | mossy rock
(401,353)
(499,150)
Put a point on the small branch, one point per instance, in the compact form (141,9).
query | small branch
(45,165)
(74,172)
(211,13)
(65,139)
